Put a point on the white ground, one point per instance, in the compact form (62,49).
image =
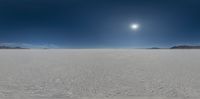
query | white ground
(100,74)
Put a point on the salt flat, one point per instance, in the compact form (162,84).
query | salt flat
(99,74)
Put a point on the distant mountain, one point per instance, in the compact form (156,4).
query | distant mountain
(9,47)
(185,47)
(154,48)
(3,46)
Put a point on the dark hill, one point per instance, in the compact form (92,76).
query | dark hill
(9,47)
(185,47)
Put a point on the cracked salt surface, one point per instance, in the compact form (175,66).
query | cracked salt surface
(99,74)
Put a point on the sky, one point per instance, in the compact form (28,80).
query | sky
(100,23)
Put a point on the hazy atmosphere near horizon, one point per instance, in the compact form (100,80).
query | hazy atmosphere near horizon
(99,23)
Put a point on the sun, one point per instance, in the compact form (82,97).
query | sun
(135,26)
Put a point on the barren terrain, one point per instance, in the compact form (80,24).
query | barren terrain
(99,74)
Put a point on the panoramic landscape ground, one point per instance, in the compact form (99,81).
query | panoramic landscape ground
(99,74)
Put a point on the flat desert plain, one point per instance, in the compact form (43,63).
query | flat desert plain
(99,74)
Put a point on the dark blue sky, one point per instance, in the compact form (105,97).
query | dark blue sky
(100,23)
